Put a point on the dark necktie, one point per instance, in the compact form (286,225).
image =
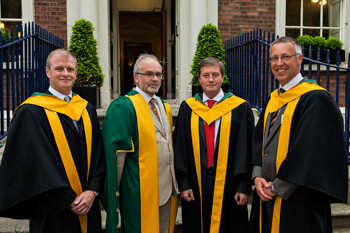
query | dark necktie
(67,99)
(210,137)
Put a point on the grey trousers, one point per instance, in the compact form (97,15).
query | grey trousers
(164,217)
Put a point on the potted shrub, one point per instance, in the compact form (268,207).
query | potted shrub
(209,44)
(306,40)
(84,46)
(332,44)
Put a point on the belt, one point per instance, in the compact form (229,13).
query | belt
(211,169)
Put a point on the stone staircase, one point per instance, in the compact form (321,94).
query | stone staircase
(340,218)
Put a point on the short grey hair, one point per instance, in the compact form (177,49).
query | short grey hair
(142,56)
(287,39)
(209,61)
(60,52)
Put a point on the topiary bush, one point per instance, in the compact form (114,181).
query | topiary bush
(334,43)
(84,46)
(306,39)
(209,44)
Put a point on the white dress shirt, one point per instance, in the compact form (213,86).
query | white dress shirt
(59,94)
(217,98)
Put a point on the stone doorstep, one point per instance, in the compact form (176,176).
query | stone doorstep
(340,221)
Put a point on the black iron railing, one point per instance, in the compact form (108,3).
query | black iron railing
(248,70)
(23,56)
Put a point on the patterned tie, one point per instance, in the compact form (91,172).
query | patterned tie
(154,109)
(273,119)
(67,99)
(274,114)
(210,137)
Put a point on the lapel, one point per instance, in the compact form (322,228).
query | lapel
(161,112)
(203,143)
(70,123)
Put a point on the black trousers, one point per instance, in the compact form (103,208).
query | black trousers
(208,194)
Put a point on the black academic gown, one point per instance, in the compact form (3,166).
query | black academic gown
(33,181)
(316,161)
(233,217)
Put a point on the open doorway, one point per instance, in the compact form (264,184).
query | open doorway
(140,32)
(131,52)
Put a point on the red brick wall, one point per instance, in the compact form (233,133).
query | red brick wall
(52,15)
(238,16)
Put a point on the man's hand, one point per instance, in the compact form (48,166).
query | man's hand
(261,185)
(82,203)
(268,192)
(187,195)
(241,198)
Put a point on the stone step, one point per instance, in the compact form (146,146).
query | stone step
(340,219)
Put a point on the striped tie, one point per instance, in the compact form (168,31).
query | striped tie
(273,119)
(154,109)
(274,114)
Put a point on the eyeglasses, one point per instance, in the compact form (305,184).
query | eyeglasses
(283,58)
(151,75)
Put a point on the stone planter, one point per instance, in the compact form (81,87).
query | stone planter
(323,55)
(196,89)
(91,94)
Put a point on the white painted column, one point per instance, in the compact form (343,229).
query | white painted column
(102,29)
(97,12)
(280,29)
(191,16)
(27,11)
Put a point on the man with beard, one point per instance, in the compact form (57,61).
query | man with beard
(139,154)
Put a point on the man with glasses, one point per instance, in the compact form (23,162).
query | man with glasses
(212,155)
(299,154)
(137,135)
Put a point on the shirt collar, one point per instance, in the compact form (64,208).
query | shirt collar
(297,79)
(59,94)
(145,95)
(217,98)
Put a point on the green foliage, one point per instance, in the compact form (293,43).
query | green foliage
(209,44)
(319,42)
(306,39)
(334,43)
(83,45)
(3,33)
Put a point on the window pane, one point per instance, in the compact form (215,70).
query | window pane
(334,33)
(311,32)
(293,12)
(11,9)
(334,15)
(8,26)
(325,15)
(293,32)
(311,16)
